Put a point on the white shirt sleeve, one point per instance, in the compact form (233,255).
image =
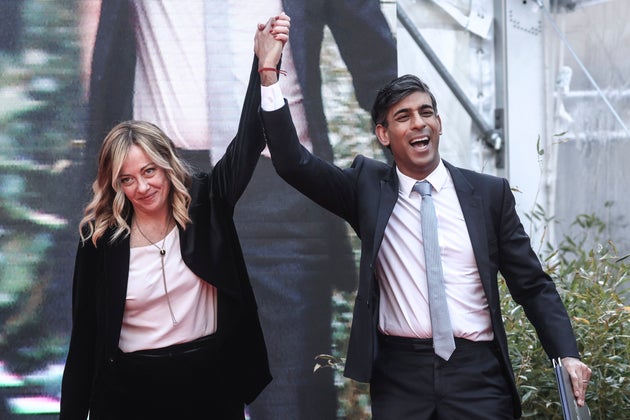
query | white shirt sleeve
(271,98)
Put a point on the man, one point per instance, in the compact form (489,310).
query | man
(295,251)
(391,342)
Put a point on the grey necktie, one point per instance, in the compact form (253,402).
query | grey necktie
(443,341)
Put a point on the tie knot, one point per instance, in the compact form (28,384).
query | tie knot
(423,188)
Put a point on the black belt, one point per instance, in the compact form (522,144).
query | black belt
(423,344)
(200,344)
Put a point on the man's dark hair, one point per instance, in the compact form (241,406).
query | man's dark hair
(395,91)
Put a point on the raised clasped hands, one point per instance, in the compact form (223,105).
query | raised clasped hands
(269,41)
(580,375)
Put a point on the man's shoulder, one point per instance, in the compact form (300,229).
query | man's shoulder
(473,177)
(363,162)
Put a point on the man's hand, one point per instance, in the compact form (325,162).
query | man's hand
(580,374)
(268,44)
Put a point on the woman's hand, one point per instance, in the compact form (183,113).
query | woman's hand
(269,41)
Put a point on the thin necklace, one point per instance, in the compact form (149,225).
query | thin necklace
(162,257)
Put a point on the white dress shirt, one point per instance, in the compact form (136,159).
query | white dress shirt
(400,268)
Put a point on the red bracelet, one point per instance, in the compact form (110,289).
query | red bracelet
(283,72)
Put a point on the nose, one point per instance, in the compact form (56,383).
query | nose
(417,121)
(143,185)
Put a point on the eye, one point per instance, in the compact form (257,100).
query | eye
(427,112)
(402,117)
(150,171)
(126,180)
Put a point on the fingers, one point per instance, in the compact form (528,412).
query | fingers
(580,375)
(280,23)
(269,42)
(281,20)
(282,38)
(280,26)
(277,26)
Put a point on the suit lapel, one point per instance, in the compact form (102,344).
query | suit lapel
(472,208)
(116,265)
(388,195)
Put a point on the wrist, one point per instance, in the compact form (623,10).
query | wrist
(265,64)
(269,75)
(268,78)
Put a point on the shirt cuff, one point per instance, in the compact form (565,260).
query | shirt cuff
(271,98)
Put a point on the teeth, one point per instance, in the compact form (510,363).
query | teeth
(424,140)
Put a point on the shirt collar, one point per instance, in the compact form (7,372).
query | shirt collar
(437,179)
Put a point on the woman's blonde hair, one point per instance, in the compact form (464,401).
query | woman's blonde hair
(109,206)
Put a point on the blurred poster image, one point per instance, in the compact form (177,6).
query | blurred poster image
(71,70)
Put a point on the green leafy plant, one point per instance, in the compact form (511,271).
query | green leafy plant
(591,281)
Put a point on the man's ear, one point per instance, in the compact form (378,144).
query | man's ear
(381,134)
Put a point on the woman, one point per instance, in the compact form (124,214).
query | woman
(165,323)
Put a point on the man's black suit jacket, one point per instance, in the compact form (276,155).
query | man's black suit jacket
(209,247)
(365,194)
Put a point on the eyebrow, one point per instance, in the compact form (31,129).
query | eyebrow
(403,110)
(141,169)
